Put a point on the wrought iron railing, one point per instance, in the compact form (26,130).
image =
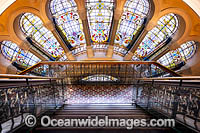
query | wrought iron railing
(125,72)
(177,98)
(27,95)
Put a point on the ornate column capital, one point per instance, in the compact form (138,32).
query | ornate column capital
(151,24)
(70,56)
(110,51)
(24,45)
(173,46)
(90,52)
(49,25)
(129,56)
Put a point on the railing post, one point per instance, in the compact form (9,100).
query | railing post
(54,95)
(32,96)
(63,91)
(175,106)
(0,127)
(10,108)
(176,101)
(137,90)
(150,71)
(134,86)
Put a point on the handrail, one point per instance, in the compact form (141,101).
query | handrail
(11,76)
(100,62)
(172,78)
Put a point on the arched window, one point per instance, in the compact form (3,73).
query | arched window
(135,11)
(67,18)
(177,58)
(100,14)
(13,53)
(166,27)
(33,27)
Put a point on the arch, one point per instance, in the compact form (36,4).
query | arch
(13,53)
(67,18)
(175,59)
(185,22)
(131,21)
(13,24)
(165,28)
(100,16)
(189,38)
(33,27)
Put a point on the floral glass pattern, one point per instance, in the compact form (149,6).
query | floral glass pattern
(135,11)
(12,52)
(178,56)
(100,14)
(33,27)
(166,27)
(67,18)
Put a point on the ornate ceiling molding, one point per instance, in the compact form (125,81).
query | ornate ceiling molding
(5,4)
(194,4)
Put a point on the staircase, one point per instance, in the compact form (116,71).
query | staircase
(113,111)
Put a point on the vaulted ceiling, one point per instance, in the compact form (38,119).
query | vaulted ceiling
(194,4)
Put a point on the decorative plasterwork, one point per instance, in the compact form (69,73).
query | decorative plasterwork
(5,4)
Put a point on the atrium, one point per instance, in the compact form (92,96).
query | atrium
(136,59)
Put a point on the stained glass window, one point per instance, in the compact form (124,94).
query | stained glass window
(67,18)
(33,27)
(99,78)
(100,14)
(13,53)
(166,27)
(63,58)
(134,13)
(179,56)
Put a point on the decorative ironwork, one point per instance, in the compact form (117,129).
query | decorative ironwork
(34,98)
(171,98)
(73,72)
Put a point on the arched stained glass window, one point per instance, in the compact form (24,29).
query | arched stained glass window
(166,27)
(132,19)
(13,53)
(178,57)
(33,27)
(100,14)
(67,18)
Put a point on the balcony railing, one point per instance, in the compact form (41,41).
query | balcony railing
(22,95)
(125,72)
(174,97)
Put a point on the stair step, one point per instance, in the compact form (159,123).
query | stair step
(102,117)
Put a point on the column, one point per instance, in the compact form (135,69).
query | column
(118,11)
(83,16)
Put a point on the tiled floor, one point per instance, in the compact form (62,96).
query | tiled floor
(98,94)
